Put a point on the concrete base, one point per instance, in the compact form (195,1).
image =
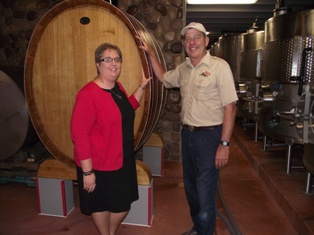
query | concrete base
(141,212)
(54,196)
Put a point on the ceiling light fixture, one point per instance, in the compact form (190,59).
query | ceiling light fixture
(218,2)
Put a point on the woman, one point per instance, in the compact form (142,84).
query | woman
(102,130)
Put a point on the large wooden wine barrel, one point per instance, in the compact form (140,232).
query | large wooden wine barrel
(16,130)
(60,60)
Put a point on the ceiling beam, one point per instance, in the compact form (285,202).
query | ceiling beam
(219,19)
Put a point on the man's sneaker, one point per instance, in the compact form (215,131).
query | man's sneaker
(190,232)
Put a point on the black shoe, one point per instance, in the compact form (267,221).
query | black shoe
(190,232)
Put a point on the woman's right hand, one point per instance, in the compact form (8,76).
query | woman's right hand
(89,182)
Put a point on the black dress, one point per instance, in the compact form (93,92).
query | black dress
(115,190)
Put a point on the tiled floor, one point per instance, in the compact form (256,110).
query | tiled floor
(288,190)
(262,199)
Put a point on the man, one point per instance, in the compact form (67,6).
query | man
(208,115)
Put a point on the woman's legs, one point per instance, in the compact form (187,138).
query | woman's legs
(101,220)
(115,221)
(107,223)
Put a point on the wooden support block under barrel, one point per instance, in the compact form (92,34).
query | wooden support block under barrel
(144,175)
(153,154)
(55,169)
(155,140)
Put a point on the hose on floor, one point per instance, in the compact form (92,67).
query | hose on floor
(228,221)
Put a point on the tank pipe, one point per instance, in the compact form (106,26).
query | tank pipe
(280,8)
(307,115)
(254,27)
(302,72)
(280,4)
(229,221)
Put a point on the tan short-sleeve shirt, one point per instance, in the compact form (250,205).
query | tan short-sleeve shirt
(205,90)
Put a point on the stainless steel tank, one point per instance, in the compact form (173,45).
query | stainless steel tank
(215,50)
(230,46)
(287,69)
(250,74)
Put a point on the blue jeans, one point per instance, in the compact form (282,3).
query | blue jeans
(201,176)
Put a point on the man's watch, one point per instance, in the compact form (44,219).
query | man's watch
(224,143)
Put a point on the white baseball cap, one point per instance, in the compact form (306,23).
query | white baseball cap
(194,25)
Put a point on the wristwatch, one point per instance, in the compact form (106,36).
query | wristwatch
(224,143)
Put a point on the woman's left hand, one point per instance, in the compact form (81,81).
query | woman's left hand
(145,80)
(138,93)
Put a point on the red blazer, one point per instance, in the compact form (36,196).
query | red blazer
(96,128)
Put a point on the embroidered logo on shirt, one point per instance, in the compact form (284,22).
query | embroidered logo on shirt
(205,74)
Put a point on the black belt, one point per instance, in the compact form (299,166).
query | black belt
(200,128)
